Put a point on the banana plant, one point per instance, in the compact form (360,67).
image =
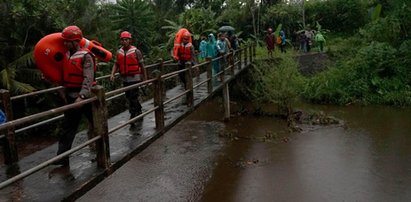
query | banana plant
(19,66)
(375,12)
(137,17)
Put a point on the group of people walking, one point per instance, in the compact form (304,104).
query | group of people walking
(80,68)
(79,76)
(308,38)
(303,41)
(210,47)
(272,40)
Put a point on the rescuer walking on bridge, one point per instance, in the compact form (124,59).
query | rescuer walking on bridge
(185,53)
(78,77)
(131,67)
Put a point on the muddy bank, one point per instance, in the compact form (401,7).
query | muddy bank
(313,63)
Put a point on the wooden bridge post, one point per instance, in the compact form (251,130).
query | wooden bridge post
(158,100)
(189,84)
(9,143)
(160,62)
(245,56)
(232,62)
(239,58)
(100,121)
(209,75)
(161,69)
(223,65)
(226,97)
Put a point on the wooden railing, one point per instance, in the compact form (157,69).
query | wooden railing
(101,132)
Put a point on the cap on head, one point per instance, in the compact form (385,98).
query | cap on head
(125,34)
(72,33)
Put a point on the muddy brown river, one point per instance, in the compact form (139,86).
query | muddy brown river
(367,158)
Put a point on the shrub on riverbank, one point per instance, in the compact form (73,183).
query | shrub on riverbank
(278,83)
(376,73)
(373,73)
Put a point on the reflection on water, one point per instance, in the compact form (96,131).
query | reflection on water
(367,159)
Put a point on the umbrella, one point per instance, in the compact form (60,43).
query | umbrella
(226,29)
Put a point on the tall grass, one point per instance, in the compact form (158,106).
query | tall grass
(372,74)
(277,81)
(361,72)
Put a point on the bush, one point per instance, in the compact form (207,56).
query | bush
(373,76)
(383,30)
(280,84)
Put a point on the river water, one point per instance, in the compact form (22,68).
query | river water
(368,158)
(249,158)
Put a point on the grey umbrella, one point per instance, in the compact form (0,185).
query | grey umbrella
(226,29)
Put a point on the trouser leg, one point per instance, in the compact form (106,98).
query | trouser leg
(283,48)
(70,125)
(182,75)
(132,98)
(216,67)
(308,46)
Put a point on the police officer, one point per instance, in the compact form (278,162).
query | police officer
(78,77)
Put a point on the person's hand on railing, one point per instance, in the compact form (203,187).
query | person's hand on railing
(78,99)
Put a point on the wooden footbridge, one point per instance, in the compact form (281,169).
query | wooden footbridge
(112,143)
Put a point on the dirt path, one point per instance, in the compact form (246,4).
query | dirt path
(312,63)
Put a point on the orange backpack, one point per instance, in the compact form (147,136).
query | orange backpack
(278,40)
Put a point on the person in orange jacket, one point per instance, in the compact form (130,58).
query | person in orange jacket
(78,77)
(130,65)
(185,53)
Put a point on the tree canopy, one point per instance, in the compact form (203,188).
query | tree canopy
(153,23)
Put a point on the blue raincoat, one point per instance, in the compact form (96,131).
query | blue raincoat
(203,49)
(2,117)
(283,39)
(212,52)
(211,48)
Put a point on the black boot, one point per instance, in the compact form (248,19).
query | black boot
(132,124)
(62,162)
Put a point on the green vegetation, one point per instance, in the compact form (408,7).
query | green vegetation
(372,65)
(279,84)
(369,51)
(368,41)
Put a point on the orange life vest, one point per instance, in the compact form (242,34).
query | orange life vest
(73,68)
(184,52)
(178,40)
(128,61)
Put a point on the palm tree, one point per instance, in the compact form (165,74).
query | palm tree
(137,17)
(21,25)
(171,29)
(19,67)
